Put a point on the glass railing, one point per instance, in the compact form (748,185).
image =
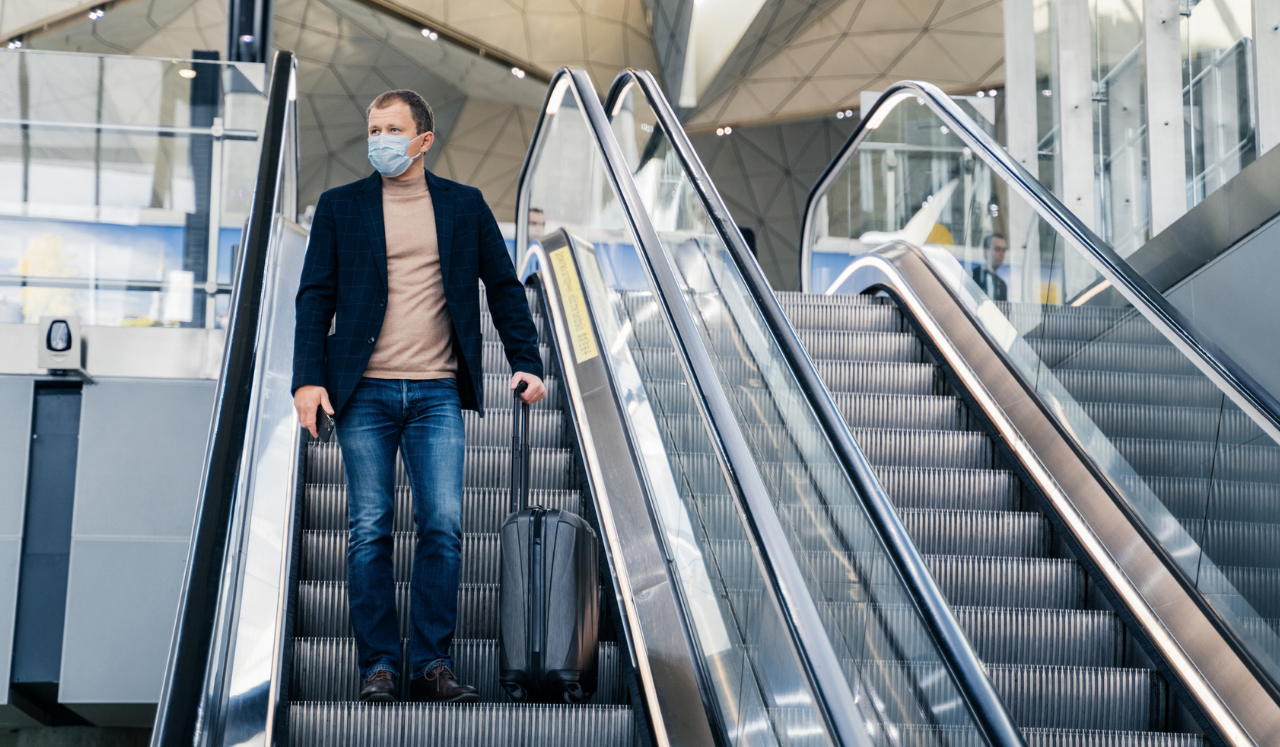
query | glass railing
(125,184)
(1184,436)
(755,679)
(868,601)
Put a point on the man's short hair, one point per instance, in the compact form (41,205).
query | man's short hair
(989,241)
(423,118)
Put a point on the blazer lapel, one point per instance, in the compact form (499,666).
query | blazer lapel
(442,206)
(370,203)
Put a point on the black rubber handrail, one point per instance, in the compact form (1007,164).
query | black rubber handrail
(179,711)
(1250,395)
(966,668)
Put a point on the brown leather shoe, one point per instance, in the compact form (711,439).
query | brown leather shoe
(440,686)
(379,688)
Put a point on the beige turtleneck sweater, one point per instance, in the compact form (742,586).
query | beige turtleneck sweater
(416,341)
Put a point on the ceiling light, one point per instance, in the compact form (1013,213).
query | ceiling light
(982,94)
(15,44)
(246,38)
(187,73)
(1046,92)
(848,112)
(97,13)
(992,93)
(728,130)
(839,115)
(719,130)
(517,72)
(944,129)
(430,34)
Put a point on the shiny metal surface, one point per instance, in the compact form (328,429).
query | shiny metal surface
(971,677)
(653,628)
(1222,684)
(1243,390)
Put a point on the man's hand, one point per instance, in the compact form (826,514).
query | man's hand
(535,392)
(309,397)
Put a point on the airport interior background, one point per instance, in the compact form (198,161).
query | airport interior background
(903,355)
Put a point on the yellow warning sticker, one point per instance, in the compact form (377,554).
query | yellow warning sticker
(575,307)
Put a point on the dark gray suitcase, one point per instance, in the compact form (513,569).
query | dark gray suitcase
(548,601)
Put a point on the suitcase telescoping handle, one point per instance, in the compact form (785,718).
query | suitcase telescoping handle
(521,463)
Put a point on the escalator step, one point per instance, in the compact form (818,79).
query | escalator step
(1080,638)
(982,490)
(1141,388)
(323,611)
(849,318)
(1089,738)
(493,358)
(881,347)
(786,298)
(325,669)
(324,557)
(1102,356)
(1224,500)
(929,449)
(497,393)
(918,379)
(929,413)
(1102,698)
(439,725)
(1243,463)
(486,467)
(1164,422)
(1043,583)
(546,429)
(989,533)
(483,509)
(1130,328)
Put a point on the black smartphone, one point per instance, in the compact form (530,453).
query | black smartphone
(324,424)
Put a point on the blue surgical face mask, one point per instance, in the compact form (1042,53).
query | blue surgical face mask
(388,153)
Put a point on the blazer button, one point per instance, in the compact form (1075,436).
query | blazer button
(382,302)
(370,340)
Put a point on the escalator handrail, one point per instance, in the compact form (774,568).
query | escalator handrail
(836,699)
(1261,405)
(179,712)
(966,668)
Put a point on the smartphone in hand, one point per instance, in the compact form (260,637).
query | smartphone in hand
(324,424)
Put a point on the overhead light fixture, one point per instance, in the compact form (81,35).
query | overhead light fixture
(722,131)
(944,130)
(15,44)
(839,115)
(517,72)
(246,38)
(187,73)
(982,94)
(97,13)
(430,34)
(1046,92)
(992,93)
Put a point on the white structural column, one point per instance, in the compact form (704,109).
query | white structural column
(1166,141)
(1023,137)
(1266,43)
(1075,108)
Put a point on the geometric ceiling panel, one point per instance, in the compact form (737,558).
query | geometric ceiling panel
(149,28)
(486,149)
(861,45)
(603,36)
(671,24)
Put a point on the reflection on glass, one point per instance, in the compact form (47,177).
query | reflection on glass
(757,682)
(886,653)
(1195,468)
(1119,120)
(124,185)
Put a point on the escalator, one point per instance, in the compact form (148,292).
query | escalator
(713,626)
(1088,485)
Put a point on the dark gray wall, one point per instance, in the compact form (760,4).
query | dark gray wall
(764,173)
(16,394)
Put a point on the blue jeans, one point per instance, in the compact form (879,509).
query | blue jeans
(422,419)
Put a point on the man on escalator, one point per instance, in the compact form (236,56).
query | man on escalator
(388,343)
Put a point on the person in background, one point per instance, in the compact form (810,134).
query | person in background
(394,264)
(537,224)
(996,246)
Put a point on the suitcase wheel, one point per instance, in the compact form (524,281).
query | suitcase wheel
(516,693)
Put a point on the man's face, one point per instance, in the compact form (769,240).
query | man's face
(998,247)
(537,224)
(398,120)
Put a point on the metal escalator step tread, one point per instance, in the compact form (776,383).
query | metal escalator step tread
(1123,327)
(493,357)
(324,557)
(885,347)
(1041,583)
(1238,543)
(930,413)
(1096,698)
(935,449)
(324,669)
(1141,388)
(441,725)
(1189,497)
(873,377)
(1252,592)
(1095,738)
(323,610)
(976,489)
(498,396)
(1236,462)
(1081,638)
(850,318)
(546,428)
(1172,422)
(486,467)
(531,295)
(986,533)
(483,509)
(1104,356)
(795,297)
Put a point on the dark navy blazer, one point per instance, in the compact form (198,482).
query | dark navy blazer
(345,273)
